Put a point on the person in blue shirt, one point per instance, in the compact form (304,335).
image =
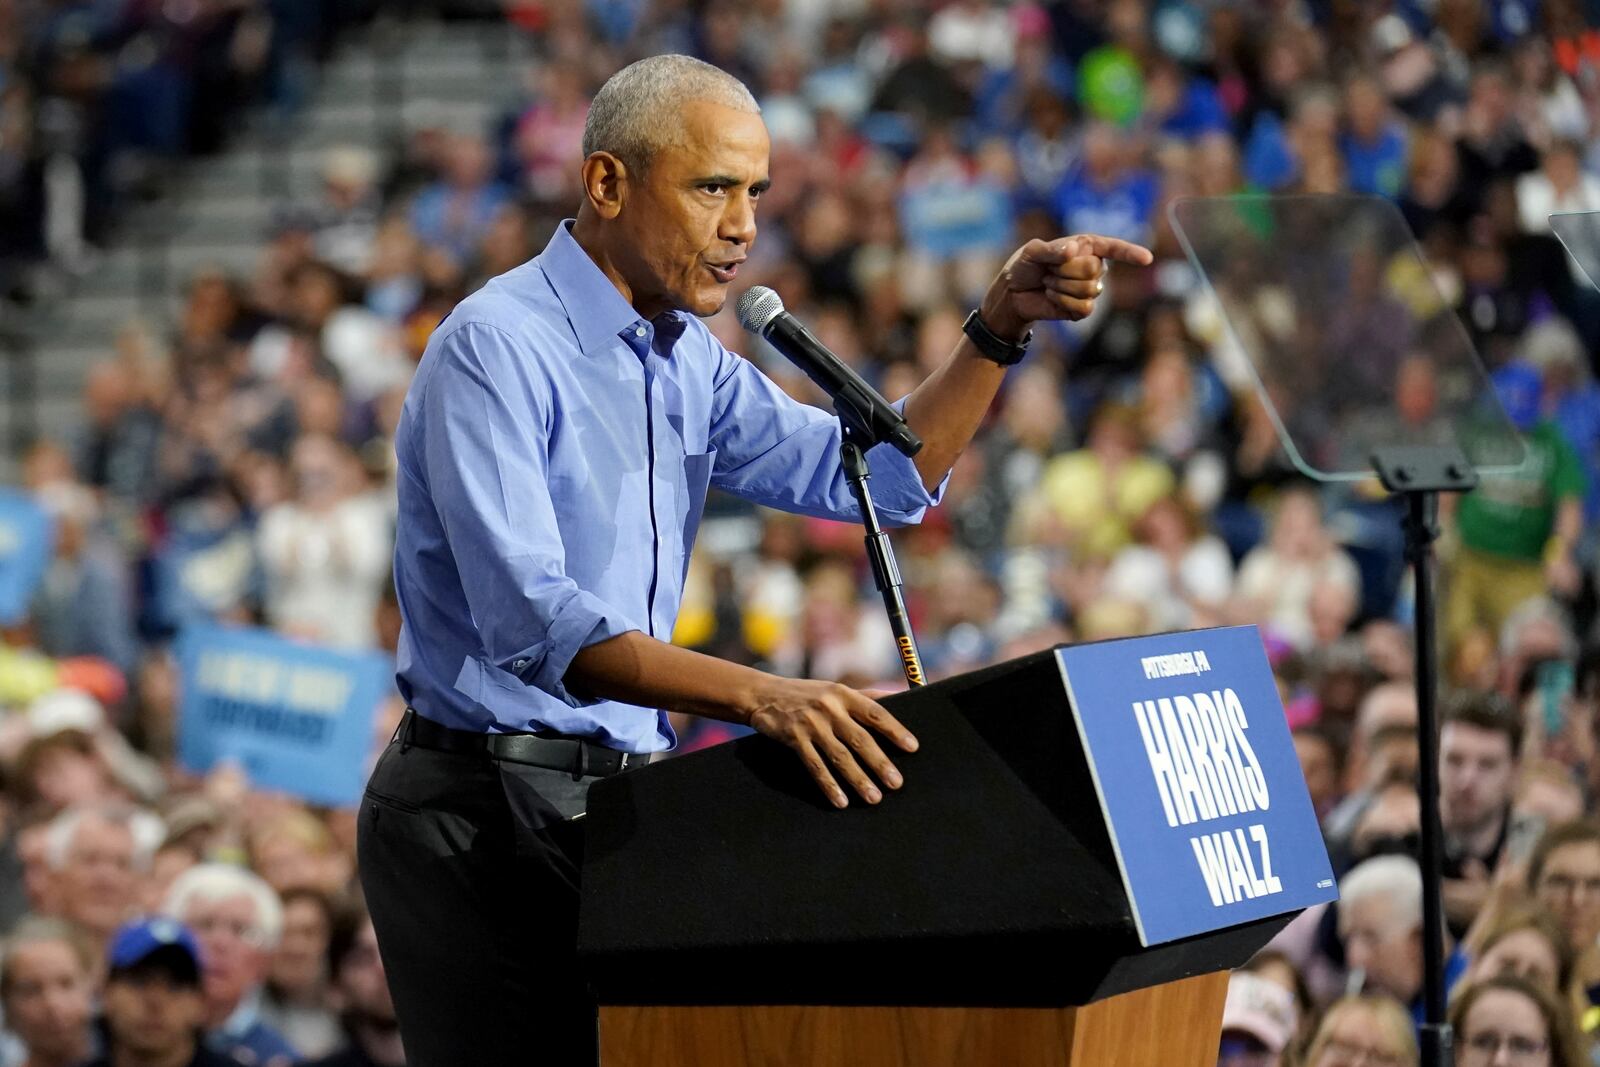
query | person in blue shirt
(554,450)
(1104,192)
(1373,142)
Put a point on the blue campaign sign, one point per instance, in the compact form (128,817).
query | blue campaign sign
(1198,777)
(27,538)
(298,718)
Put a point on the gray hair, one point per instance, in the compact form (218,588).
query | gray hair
(146,829)
(632,115)
(210,883)
(1394,878)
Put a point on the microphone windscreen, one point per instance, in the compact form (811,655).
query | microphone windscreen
(758,307)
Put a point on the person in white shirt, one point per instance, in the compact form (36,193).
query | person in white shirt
(1277,579)
(326,552)
(1181,575)
(1560,184)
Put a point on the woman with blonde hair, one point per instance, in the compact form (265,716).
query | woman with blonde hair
(1364,1030)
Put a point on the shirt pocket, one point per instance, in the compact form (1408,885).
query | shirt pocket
(696,481)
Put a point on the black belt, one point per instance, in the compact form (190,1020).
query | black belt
(577,757)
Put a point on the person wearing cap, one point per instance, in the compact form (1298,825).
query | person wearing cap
(555,449)
(154,1009)
(1258,1019)
(238,920)
(1517,531)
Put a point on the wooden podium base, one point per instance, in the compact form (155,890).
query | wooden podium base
(1173,1025)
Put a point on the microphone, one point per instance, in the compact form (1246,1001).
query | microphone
(760,311)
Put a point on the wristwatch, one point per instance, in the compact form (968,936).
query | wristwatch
(992,346)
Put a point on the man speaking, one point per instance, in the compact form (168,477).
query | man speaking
(555,450)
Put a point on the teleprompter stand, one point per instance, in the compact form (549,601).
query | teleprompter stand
(1362,365)
(1418,474)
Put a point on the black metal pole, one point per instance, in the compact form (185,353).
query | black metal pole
(885,572)
(1420,532)
(1418,474)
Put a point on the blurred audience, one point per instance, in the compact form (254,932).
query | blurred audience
(234,461)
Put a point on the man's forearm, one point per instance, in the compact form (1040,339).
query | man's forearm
(828,724)
(638,669)
(948,407)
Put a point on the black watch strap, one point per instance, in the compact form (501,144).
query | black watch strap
(991,345)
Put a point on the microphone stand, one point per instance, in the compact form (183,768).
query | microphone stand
(856,439)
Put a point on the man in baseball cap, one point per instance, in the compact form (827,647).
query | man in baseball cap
(153,1005)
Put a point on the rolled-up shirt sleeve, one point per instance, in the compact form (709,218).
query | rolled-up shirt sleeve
(776,451)
(484,453)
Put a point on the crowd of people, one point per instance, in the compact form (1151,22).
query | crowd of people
(100,101)
(236,465)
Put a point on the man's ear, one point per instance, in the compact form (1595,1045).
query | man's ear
(605,183)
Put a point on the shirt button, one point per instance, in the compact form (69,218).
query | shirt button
(519,665)
(638,331)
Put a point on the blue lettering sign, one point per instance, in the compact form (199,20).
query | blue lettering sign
(298,718)
(1199,780)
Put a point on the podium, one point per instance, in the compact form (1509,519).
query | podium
(979,915)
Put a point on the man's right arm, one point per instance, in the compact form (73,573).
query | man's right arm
(482,408)
(824,722)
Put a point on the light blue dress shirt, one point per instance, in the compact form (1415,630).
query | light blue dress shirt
(554,455)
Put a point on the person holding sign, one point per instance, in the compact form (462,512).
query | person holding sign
(554,450)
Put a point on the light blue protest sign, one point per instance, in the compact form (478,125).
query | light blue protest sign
(27,538)
(1198,777)
(296,717)
(947,218)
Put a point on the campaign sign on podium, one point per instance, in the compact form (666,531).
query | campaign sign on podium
(1197,774)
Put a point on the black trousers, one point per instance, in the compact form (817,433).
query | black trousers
(470,870)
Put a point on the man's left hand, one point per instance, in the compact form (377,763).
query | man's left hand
(1057,279)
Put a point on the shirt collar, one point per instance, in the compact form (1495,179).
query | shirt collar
(597,312)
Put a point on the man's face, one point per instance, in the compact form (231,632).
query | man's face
(690,217)
(1475,776)
(151,1015)
(1388,950)
(48,1002)
(232,959)
(98,884)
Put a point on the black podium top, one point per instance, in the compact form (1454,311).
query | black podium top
(724,877)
